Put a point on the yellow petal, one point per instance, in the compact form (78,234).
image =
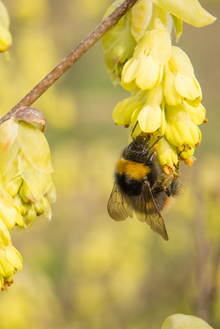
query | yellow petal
(8,133)
(158,44)
(34,147)
(7,158)
(5,238)
(5,197)
(6,269)
(155,95)
(195,133)
(190,11)
(37,181)
(133,68)
(167,153)
(187,86)
(150,74)
(180,61)
(10,216)
(141,14)
(178,134)
(171,95)
(14,258)
(197,114)
(162,128)
(149,118)
(123,110)
(14,185)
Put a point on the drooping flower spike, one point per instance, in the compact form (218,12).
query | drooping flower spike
(165,94)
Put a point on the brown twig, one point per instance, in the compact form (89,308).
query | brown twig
(73,56)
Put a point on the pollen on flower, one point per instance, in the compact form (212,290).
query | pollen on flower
(166,170)
(205,120)
(189,162)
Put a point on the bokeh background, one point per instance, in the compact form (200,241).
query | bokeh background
(82,270)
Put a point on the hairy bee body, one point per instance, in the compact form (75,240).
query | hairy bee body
(141,186)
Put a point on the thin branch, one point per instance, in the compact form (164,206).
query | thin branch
(73,56)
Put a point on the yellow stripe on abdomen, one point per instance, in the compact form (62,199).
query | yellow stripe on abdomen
(134,169)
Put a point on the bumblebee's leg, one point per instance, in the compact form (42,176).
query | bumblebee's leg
(163,184)
(174,187)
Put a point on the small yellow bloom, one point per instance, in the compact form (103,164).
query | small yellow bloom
(180,129)
(150,115)
(197,114)
(167,153)
(180,82)
(123,111)
(145,69)
(188,151)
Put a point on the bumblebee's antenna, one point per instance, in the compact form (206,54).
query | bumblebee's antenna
(134,129)
(155,143)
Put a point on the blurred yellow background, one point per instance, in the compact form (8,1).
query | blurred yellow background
(82,270)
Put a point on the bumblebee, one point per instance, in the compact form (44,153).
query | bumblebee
(141,186)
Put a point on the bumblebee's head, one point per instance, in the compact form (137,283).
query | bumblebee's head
(139,145)
(140,150)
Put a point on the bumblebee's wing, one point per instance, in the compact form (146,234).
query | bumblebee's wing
(153,216)
(118,208)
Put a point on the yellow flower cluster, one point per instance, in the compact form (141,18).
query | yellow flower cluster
(165,95)
(26,187)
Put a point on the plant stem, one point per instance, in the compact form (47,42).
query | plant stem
(73,56)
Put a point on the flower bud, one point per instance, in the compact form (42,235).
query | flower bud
(30,216)
(187,152)
(18,201)
(43,207)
